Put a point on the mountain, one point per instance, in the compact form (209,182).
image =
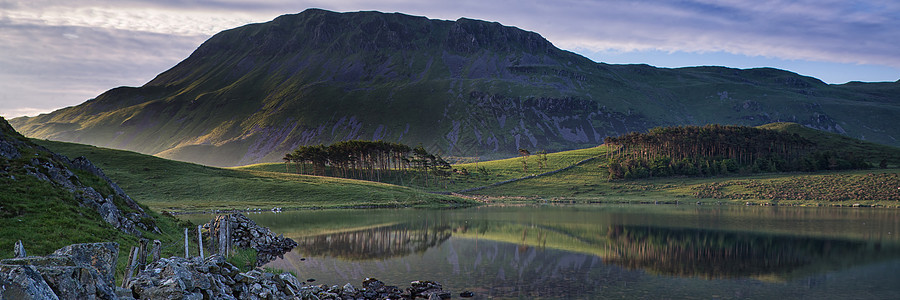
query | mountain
(459,88)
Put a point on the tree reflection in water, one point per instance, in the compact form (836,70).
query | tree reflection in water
(717,254)
(667,251)
(606,253)
(375,243)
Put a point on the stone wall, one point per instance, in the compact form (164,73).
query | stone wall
(85,271)
(79,271)
(245,233)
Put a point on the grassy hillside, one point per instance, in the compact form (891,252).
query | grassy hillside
(460,88)
(46,216)
(479,173)
(178,186)
(589,182)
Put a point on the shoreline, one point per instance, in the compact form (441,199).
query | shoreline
(489,201)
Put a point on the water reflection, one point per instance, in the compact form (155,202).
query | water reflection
(603,251)
(716,254)
(375,243)
(667,251)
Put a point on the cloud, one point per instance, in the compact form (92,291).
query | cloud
(46,67)
(63,52)
(820,30)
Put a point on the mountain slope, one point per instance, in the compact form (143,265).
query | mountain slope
(460,88)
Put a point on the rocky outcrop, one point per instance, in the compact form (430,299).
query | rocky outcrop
(214,278)
(245,233)
(80,271)
(115,207)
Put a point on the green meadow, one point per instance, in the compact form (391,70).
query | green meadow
(166,185)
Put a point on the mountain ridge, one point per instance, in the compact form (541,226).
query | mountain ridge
(459,88)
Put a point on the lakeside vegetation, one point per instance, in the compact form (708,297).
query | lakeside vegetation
(369,160)
(876,186)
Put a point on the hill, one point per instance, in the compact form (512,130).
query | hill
(163,184)
(49,201)
(589,182)
(459,88)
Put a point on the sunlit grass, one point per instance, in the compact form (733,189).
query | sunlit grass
(177,186)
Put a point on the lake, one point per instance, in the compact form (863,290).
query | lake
(602,251)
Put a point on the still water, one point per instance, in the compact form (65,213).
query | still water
(603,251)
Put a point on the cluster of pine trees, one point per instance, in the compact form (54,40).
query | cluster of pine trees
(368,160)
(719,149)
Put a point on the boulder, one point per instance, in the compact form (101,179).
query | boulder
(100,256)
(23,282)
(80,271)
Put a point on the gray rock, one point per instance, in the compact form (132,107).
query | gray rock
(79,282)
(80,271)
(8,150)
(349,289)
(19,249)
(244,278)
(100,256)
(23,282)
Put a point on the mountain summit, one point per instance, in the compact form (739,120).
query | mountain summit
(459,88)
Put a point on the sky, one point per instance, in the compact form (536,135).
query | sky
(59,53)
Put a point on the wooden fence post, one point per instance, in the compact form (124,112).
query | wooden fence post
(186,254)
(19,250)
(223,232)
(132,261)
(142,260)
(200,239)
(154,252)
(229,250)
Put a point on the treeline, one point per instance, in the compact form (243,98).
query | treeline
(719,149)
(368,160)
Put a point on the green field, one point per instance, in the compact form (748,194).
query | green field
(588,182)
(479,174)
(166,185)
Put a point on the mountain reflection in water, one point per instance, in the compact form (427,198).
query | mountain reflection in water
(676,252)
(603,251)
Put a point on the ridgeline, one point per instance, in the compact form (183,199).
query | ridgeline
(464,88)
